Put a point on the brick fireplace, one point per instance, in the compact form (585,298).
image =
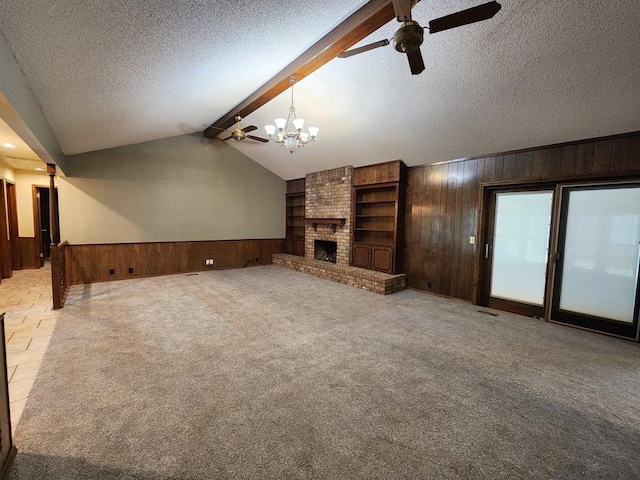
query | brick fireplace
(328,198)
(329,218)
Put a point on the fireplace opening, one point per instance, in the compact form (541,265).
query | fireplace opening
(326,251)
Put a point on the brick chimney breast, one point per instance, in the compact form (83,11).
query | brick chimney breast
(328,196)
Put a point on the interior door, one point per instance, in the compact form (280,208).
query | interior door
(596,277)
(516,251)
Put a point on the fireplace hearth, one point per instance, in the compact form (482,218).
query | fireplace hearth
(325,250)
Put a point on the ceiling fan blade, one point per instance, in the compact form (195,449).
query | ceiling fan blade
(416,63)
(402,9)
(260,139)
(366,48)
(250,128)
(225,139)
(464,17)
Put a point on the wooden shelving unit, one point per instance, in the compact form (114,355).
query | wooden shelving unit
(379,208)
(295,224)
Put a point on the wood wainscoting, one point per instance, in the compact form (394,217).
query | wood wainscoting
(444,202)
(106,262)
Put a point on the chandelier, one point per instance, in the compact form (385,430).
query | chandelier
(289,131)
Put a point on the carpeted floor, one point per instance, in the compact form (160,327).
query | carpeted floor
(267,373)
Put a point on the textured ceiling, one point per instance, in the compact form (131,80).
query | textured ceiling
(115,73)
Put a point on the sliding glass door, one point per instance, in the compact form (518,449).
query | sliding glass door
(596,276)
(517,250)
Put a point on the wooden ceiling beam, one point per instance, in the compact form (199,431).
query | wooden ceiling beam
(361,24)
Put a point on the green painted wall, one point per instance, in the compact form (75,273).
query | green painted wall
(180,188)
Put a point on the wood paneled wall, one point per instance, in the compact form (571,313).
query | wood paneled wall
(393,171)
(94,263)
(443,202)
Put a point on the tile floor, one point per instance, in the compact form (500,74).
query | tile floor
(29,323)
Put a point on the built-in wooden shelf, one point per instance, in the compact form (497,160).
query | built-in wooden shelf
(295,202)
(378,198)
(332,222)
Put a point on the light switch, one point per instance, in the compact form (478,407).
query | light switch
(472,240)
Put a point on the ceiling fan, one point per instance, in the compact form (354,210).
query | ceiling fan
(239,134)
(409,37)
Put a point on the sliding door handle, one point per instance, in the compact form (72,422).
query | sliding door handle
(486,250)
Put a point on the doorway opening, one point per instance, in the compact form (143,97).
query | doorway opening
(42,222)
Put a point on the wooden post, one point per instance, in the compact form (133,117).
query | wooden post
(55,277)
(7,448)
(59,281)
(53,206)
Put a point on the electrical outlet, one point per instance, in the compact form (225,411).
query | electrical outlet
(211,261)
(130,269)
(111,271)
(257,259)
(206,262)
(429,285)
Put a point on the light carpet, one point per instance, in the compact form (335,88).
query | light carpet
(268,373)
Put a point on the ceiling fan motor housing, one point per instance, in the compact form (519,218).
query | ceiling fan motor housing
(408,37)
(238,135)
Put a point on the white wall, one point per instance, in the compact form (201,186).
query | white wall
(176,189)
(24,199)
(6,172)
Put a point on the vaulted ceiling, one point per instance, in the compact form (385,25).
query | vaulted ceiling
(121,72)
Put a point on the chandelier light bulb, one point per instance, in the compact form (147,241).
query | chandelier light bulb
(270,129)
(298,123)
(281,123)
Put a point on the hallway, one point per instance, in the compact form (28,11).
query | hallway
(29,323)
